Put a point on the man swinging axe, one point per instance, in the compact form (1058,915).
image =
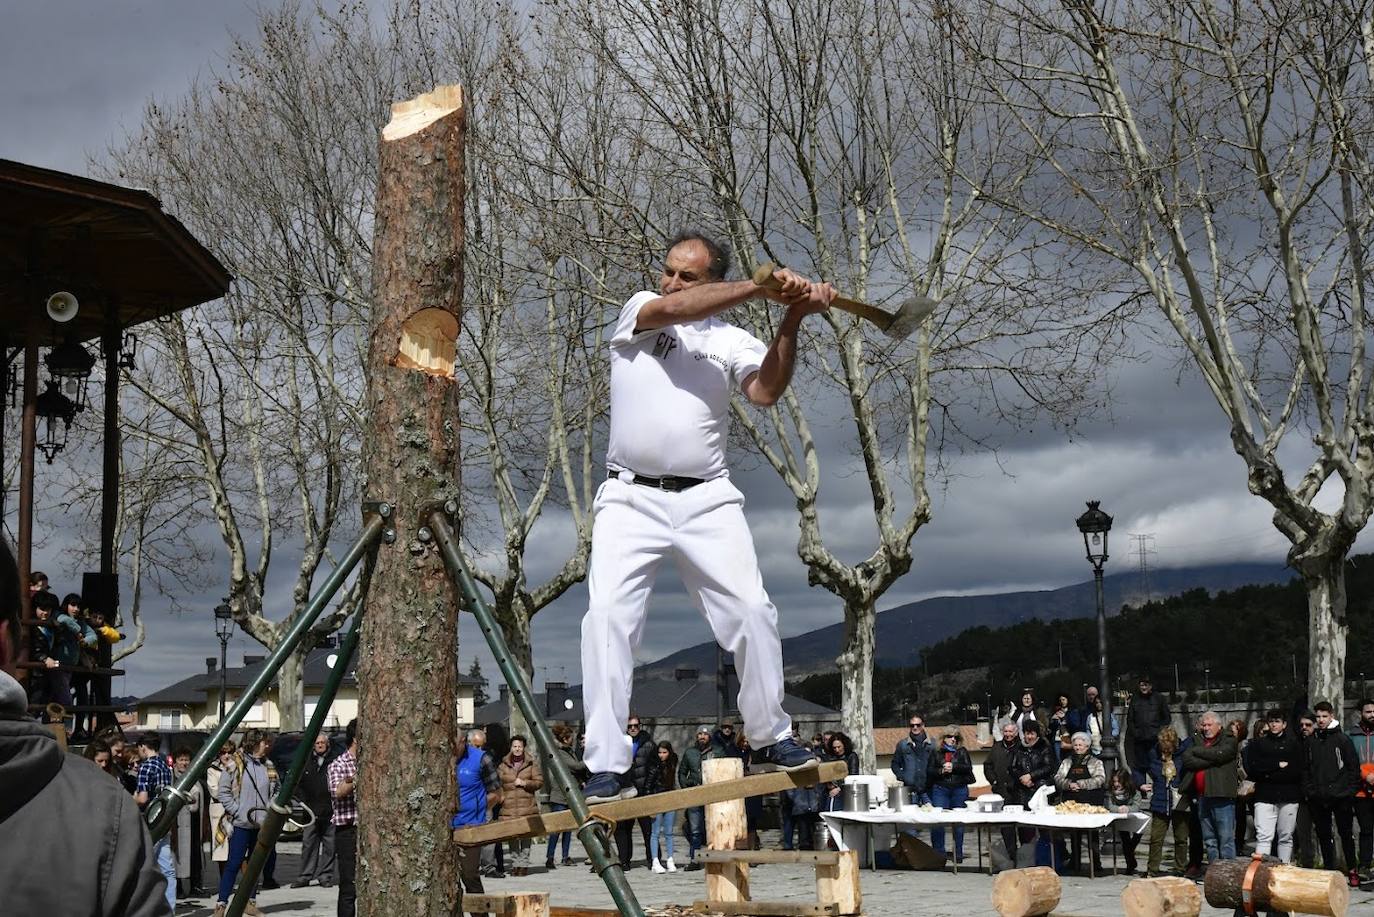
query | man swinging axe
(668,495)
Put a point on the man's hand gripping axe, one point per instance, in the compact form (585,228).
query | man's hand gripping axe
(897,325)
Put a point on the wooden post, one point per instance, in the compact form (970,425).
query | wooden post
(1025,892)
(839,884)
(406,793)
(725,830)
(1277,887)
(1169,896)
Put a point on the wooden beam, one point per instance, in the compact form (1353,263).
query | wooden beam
(516,904)
(583,912)
(646,806)
(767,908)
(815,857)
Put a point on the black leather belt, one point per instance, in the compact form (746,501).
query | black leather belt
(668,482)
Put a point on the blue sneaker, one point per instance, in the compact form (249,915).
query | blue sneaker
(605,787)
(789,754)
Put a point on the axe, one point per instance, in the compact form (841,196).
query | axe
(897,325)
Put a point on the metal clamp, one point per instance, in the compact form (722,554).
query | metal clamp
(1247,885)
(383,509)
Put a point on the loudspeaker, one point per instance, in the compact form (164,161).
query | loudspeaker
(101,591)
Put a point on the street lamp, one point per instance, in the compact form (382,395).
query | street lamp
(53,406)
(224,626)
(1096,526)
(70,366)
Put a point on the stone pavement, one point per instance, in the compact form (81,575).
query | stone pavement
(887,893)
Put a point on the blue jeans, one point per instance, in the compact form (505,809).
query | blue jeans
(167,865)
(553,838)
(696,830)
(948,798)
(1218,817)
(240,846)
(664,821)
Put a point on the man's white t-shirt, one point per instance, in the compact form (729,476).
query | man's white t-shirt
(670,393)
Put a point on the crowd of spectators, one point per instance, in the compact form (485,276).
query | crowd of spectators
(69,639)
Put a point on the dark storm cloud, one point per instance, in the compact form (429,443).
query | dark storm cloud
(76,75)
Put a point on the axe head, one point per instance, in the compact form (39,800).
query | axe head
(909,316)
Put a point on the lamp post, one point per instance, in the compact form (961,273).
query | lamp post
(1095,526)
(224,626)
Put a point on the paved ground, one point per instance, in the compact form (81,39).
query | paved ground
(886,893)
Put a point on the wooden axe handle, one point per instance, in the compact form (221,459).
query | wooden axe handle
(765,277)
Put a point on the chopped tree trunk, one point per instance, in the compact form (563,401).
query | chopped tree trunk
(1277,887)
(1169,896)
(406,861)
(1026,892)
(726,828)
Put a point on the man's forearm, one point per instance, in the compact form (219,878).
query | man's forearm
(695,303)
(776,372)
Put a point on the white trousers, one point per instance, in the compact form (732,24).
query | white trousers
(1275,820)
(703,531)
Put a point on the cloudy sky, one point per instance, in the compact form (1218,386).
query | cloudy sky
(74,75)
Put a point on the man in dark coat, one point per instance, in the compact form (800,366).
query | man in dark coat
(71,839)
(910,760)
(998,771)
(1330,779)
(1146,713)
(642,755)
(317,838)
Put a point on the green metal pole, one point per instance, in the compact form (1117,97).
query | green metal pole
(280,808)
(162,812)
(592,833)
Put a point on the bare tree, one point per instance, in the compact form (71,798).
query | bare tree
(1217,154)
(835,137)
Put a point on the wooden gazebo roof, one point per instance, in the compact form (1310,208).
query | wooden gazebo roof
(112,247)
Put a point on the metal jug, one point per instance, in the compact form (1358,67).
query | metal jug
(896,798)
(855,797)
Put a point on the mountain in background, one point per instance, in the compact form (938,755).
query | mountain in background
(903,631)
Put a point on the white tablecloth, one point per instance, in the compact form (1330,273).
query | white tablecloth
(851,829)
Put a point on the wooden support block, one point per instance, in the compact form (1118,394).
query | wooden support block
(727,883)
(766,908)
(556,911)
(1277,887)
(1169,896)
(513,904)
(838,883)
(653,804)
(1031,892)
(726,825)
(807,857)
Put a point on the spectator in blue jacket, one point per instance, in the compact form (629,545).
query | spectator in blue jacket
(911,759)
(1165,789)
(479,788)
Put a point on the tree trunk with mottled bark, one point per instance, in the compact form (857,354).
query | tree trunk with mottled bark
(856,677)
(1326,631)
(291,691)
(407,863)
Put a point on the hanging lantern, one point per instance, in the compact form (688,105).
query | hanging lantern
(70,365)
(53,406)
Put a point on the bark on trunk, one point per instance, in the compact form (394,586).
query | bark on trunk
(856,680)
(291,692)
(515,627)
(407,862)
(1326,632)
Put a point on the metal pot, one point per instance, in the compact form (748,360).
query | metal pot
(855,797)
(896,798)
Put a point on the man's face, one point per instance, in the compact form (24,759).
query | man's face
(703,739)
(477,738)
(1211,728)
(1009,733)
(183,762)
(1091,695)
(1146,687)
(633,728)
(1367,714)
(1307,726)
(918,727)
(1277,725)
(321,744)
(1323,719)
(686,266)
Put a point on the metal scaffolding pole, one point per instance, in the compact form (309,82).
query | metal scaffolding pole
(592,833)
(162,812)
